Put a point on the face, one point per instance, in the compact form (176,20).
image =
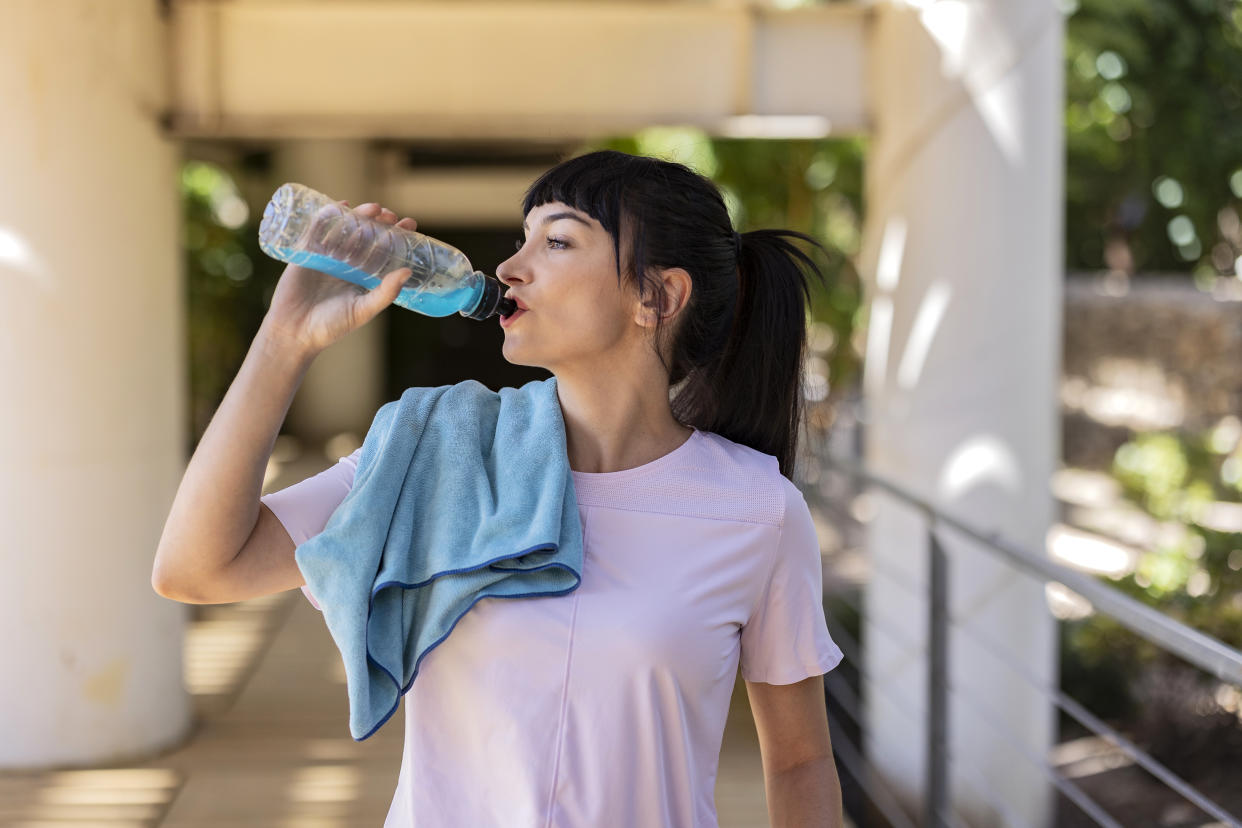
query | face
(565,272)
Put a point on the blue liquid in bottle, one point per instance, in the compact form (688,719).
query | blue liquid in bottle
(303,227)
(411,297)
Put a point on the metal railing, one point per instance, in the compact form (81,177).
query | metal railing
(1168,634)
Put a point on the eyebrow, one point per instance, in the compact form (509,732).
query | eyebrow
(561,215)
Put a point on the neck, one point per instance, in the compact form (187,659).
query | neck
(614,422)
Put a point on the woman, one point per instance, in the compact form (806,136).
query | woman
(677,349)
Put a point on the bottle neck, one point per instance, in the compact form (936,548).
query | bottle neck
(491,299)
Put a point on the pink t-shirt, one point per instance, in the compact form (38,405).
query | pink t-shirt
(607,706)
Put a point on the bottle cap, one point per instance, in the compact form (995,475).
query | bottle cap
(491,302)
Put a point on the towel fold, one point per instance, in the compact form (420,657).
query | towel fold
(460,493)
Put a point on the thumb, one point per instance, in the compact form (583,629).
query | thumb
(384,293)
(390,286)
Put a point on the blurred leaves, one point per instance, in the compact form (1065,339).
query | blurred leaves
(1195,576)
(1192,574)
(226,299)
(1153,135)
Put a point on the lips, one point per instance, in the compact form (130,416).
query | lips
(506,321)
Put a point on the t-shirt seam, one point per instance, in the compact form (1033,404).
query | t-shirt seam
(581,502)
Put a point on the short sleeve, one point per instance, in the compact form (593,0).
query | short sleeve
(786,638)
(304,508)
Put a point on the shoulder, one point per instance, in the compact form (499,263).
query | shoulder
(730,454)
(757,468)
(465,390)
(468,398)
(738,454)
(472,395)
(748,480)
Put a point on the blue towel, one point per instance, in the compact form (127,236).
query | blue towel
(460,493)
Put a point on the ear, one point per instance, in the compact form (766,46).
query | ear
(677,286)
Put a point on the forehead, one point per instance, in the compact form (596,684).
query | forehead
(554,211)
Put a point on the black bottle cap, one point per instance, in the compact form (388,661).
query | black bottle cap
(492,302)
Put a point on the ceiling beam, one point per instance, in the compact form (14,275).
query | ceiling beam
(520,70)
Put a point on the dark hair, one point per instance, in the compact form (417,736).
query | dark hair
(739,343)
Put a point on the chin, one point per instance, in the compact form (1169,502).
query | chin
(513,355)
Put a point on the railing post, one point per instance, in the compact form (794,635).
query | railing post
(937,684)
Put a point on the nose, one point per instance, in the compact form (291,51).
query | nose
(511,271)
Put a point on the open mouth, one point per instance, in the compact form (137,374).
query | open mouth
(505,321)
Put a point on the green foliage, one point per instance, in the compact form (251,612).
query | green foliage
(1194,576)
(1153,135)
(1197,576)
(226,297)
(1175,476)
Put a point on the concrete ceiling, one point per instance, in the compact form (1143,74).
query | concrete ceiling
(513,70)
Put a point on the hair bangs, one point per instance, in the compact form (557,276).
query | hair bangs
(595,184)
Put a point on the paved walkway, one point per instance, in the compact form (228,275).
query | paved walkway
(271,745)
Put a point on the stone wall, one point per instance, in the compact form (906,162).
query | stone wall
(1151,352)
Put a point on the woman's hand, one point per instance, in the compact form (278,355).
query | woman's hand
(312,310)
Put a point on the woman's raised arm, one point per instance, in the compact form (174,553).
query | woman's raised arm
(215,514)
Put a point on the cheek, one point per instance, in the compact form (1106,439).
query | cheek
(580,324)
(579,313)
(585,327)
(599,320)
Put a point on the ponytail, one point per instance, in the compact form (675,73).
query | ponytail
(750,390)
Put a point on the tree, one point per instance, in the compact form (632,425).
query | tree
(1154,135)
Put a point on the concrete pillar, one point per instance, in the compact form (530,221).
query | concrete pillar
(963,260)
(344,385)
(93,366)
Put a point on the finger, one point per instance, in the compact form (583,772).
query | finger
(387,216)
(407,223)
(343,201)
(368,304)
(368,209)
(390,287)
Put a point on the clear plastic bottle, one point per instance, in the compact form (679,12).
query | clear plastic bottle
(303,227)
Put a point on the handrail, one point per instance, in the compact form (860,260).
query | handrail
(1201,650)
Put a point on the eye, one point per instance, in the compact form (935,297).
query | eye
(555,241)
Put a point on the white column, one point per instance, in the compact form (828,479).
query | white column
(92,367)
(344,385)
(963,260)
